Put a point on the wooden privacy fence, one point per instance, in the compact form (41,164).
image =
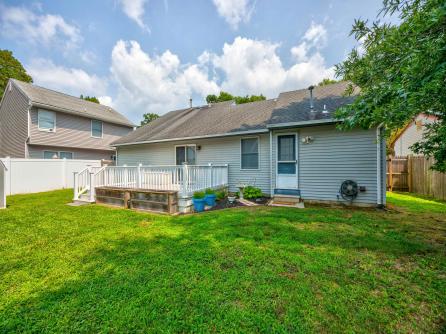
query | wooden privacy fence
(413,174)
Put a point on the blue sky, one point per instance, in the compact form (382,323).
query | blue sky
(152,56)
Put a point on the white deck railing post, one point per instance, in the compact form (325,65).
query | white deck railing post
(185,180)
(92,188)
(76,185)
(138,176)
(210,183)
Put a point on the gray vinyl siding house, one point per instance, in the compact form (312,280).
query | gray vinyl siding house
(323,156)
(70,134)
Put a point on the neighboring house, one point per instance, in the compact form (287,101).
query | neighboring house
(283,145)
(411,134)
(36,122)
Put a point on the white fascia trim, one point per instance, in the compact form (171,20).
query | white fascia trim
(240,133)
(302,123)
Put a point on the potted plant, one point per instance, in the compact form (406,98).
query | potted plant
(209,197)
(198,201)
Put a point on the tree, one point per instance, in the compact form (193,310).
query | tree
(149,117)
(401,72)
(224,96)
(90,98)
(326,82)
(10,67)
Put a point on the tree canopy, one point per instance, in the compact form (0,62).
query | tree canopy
(10,67)
(401,72)
(326,81)
(149,117)
(224,96)
(89,98)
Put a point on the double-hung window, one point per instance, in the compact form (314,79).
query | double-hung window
(46,120)
(96,128)
(185,154)
(65,155)
(250,153)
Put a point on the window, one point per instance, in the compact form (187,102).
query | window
(185,154)
(46,120)
(65,155)
(96,128)
(50,155)
(250,153)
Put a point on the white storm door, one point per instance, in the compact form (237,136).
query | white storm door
(286,176)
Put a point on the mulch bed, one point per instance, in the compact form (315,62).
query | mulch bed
(224,204)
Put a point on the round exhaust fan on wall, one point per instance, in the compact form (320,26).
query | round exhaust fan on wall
(349,190)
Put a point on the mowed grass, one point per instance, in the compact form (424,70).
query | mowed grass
(98,269)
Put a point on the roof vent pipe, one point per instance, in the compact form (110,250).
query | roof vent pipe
(325,111)
(190,103)
(311,97)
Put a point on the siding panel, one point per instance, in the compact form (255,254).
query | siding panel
(36,152)
(333,157)
(13,123)
(74,131)
(216,150)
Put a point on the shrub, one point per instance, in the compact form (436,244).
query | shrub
(251,192)
(199,195)
(209,191)
(221,194)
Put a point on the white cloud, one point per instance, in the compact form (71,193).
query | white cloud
(106,101)
(235,11)
(157,83)
(315,38)
(68,80)
(22,24)
(135,10)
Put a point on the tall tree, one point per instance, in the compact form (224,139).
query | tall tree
(10,67)
(149,117)
(401,72)
(90,98)
(224,96)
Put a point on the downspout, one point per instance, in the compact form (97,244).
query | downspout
(379,166)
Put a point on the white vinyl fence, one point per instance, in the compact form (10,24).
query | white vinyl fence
(24,176)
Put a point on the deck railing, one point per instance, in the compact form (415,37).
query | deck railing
(185,179)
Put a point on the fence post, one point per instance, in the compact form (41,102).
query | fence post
(391,174)
(409,172)
(64,172)
(138,176)
(92,189)
(76,185)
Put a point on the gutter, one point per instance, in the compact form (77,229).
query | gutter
(238,133)
(228,134)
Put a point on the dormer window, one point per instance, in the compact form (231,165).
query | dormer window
(47,120)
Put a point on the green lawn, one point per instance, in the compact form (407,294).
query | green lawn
(98,269)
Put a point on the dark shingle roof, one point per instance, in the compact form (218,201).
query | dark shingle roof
(66,103)
(226,118)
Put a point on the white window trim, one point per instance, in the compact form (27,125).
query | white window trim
(38,121)
(91,128)
(184,145)
(258,153)
(58,154)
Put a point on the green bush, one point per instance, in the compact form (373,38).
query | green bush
(199,195)
(221,194)
(251,192)
(209,191)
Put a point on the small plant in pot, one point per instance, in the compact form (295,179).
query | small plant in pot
(198,201)
(210,197)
